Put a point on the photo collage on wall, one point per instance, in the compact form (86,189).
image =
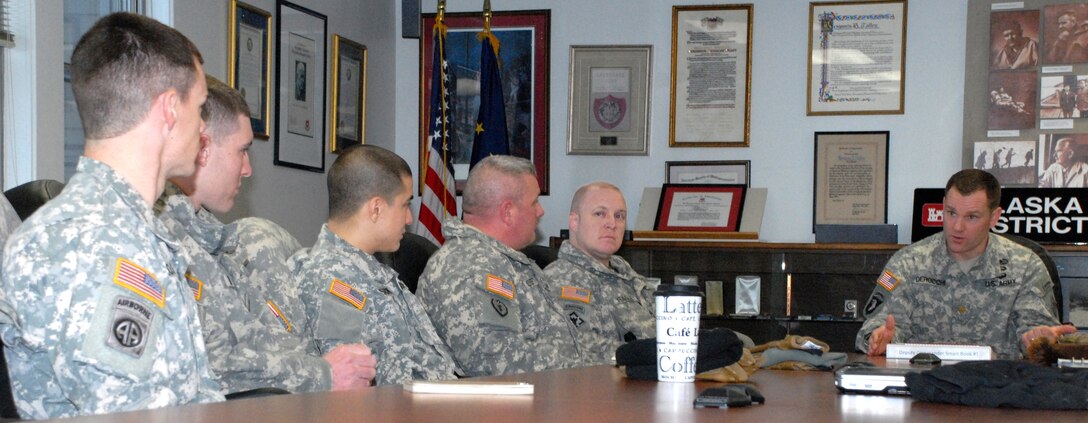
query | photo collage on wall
(1038,84)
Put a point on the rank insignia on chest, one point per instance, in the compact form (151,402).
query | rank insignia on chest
(500,286)
(279,315)
(575,293)
(196,285)
(137,279)
(347,293)
(888,281)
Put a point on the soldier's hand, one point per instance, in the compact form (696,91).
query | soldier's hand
(1050,332)
(352,366)
(879,339)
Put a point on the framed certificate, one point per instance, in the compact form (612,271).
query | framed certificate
(851,181)
(250,41)
(348,94)
(708,172)
(856,57)
(700,207)
(711,59)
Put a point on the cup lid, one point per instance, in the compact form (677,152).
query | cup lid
(669,290)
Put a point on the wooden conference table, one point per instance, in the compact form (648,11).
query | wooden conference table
(592,394)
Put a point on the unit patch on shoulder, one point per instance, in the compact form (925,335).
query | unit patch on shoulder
(575,293)
(500,286)
(279,315)
(888,281)
(130,326)
(347,293)
(137,279)
(196,285)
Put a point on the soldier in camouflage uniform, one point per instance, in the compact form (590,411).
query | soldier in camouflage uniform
(263,250)
(488,300)
(97,317)
(249,336)
(349,296)
(608,302)
(963,285)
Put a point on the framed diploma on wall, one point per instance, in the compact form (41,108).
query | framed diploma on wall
(856,56)
(609,100)
(700,207)
(711,78)
(301,37)
(851,181)
(250,44)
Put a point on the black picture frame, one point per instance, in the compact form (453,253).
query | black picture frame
(301,51)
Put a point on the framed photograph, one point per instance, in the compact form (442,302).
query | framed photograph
(1062,33)
(700,207)
(250,62)
(348,94)
(857,52)
(1012,162)
(609,105)
(708,172)
(300,82)
(1013,99)
(711,76)
(1014,39)
(524,40)
(851,181)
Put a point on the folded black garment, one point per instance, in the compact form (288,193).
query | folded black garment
(1002,383)
(717,348)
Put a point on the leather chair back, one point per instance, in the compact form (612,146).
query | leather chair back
(28,197)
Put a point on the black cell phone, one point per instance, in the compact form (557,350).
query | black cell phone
(733,395)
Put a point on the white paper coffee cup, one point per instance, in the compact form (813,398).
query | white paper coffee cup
(678,308)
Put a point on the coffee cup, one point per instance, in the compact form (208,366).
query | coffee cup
(678,308)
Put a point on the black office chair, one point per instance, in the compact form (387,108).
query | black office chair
(1051,268)
(542,255)
(410,259)
(8,412)
(26,198)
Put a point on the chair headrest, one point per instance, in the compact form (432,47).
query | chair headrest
(28,197)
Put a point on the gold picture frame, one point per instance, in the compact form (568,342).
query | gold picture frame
(348,94)
(863,74)
(708,109)
(249,68)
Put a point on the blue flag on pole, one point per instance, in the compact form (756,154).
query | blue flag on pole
(491,137)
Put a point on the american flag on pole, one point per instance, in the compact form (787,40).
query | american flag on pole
(438,201)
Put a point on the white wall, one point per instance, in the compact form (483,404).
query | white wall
(925,140)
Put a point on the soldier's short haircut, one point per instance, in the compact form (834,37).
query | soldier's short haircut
(121,64)
(580,194)
(968,181)
(363,172)
(488,182)
(220,112)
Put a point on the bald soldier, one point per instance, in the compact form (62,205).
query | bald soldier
(488,301)
(606,300)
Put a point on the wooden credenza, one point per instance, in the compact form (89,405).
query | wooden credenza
(805,286)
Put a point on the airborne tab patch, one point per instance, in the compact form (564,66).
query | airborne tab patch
(575,293)
(137,279)
(279,315)
(500,286)
(888,281)
(347,293)
(196,285)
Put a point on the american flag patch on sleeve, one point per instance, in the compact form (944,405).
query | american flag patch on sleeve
(500,286)
(347,293)
(279,315)
(130,275)
(196,285)
(888,280)
(575,293)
